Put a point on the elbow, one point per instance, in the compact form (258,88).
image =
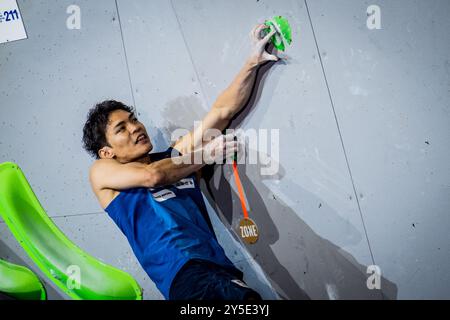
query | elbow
(155,178)
(225,113)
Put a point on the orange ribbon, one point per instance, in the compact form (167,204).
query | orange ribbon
(240,190)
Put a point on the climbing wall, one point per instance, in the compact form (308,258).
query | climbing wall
(359,176)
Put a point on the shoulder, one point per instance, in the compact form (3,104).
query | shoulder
(102,168)
(99,167)
(97,170)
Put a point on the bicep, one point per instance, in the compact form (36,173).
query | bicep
(110,174)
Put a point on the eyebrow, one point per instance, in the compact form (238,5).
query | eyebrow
(122,122)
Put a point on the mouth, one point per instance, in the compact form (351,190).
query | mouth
(141,138)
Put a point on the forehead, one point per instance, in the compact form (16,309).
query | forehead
(117,116)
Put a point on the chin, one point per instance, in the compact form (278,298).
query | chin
(148,147)
(145,148)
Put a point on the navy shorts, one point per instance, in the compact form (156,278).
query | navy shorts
(204,280)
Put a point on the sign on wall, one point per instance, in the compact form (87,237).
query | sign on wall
(11,24)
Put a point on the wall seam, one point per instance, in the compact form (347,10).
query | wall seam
(125,54)
(340,134)
(204,94)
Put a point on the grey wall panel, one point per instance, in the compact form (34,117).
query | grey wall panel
(165,86)
(391,94)
(48,83)
(312,238)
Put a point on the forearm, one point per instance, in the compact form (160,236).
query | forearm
(173,169)
(233,98)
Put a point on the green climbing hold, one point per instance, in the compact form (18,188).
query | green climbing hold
(283,36)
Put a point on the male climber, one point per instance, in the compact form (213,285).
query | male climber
(155,199)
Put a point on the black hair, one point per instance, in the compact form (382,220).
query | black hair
(94,130)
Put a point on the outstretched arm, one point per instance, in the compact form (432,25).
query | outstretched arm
(233,98)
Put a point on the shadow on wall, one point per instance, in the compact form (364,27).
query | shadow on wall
(311,267)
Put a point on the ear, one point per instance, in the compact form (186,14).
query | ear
(106,153)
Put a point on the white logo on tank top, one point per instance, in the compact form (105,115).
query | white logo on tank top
(163,195)
(185,183)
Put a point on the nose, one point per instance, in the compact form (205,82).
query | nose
(134,127)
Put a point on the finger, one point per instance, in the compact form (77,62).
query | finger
(271,57)
(229,137)
(268,36)
(230,149)
(230,146)
(219,141)
(253,32)
(229,152)
(257,30)
(218,154)
(229,159)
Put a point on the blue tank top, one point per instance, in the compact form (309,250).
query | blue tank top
(167,226)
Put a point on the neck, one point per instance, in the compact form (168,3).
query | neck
(145,159)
